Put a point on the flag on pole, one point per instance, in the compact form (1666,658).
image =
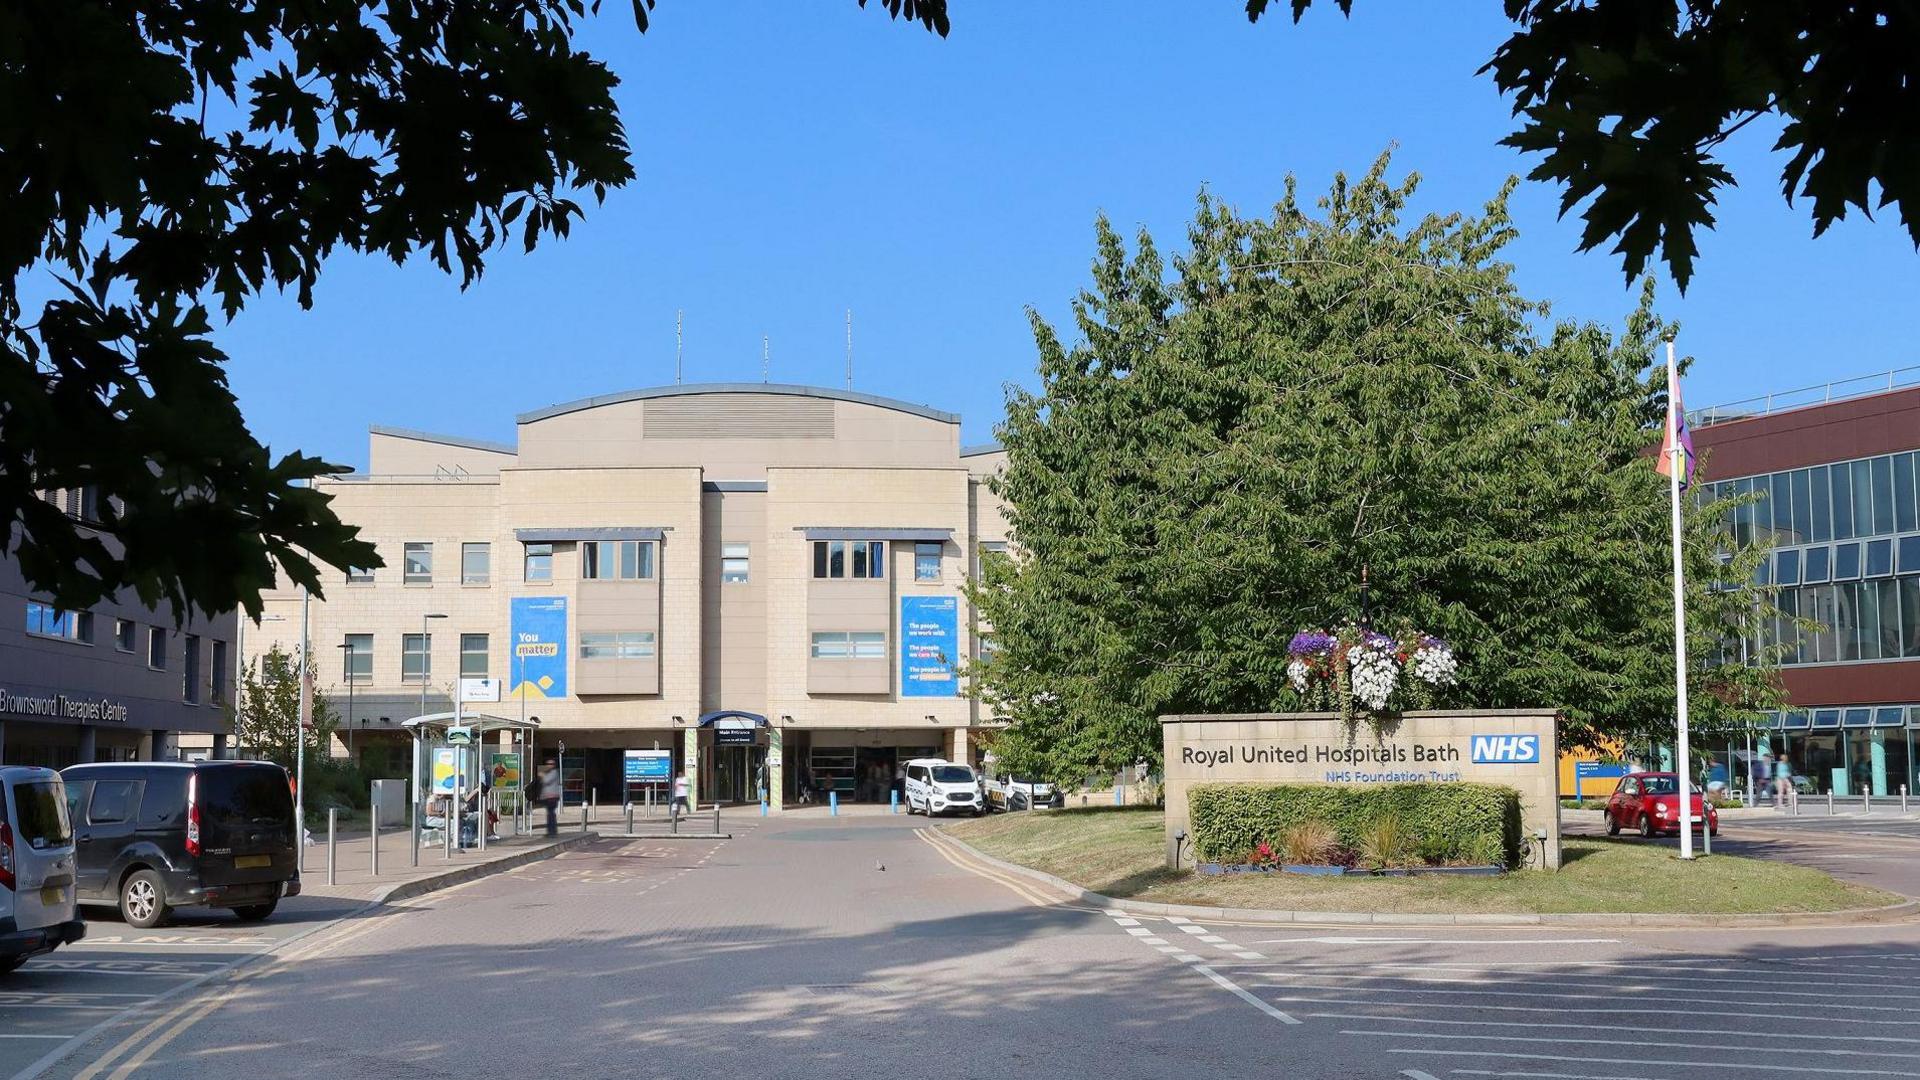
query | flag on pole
(1676,433)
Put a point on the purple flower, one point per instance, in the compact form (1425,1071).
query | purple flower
(1311,643)
(1379,641)
(1428,641)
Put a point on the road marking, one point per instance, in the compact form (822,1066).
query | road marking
(1192,929)
(1563,1010)
(12,1036)
(1252,999)
(1835,1052)
(1416,1074)
(1151,939)
(1017,888)
(1177,920)
(1531,1024)
(1437,941)
(1123,921)
(1487,978)
(1139,931)
(1652,1061)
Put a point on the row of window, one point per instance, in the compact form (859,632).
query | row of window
(1847,561)
(46,620)
(416,651)
(1858,620)
(1859,716)
(1867,497)
(635,560)
(416,657)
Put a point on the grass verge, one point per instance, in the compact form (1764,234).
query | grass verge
(1119,852)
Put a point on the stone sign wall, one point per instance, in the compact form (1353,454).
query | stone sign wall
(1514,747)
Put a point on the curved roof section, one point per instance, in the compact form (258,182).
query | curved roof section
(443,440)
(788,389)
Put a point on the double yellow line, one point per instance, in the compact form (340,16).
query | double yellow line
(197,1007)
(1027,891)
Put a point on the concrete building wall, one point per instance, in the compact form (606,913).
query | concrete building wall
(734,619)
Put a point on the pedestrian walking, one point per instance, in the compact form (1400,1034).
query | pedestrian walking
(1782,778)
(681,789)
(549,779)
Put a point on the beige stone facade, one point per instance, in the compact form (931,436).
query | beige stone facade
(703,506)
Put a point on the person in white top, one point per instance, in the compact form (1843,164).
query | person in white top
(681,787)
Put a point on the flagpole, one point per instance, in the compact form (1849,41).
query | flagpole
(1676,464)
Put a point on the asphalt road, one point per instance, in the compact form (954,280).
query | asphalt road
(854,948)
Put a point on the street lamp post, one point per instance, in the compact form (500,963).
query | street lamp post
(414,804)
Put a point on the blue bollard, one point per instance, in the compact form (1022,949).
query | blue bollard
(893,802)
(1117,799)
(763,808)
(833,803)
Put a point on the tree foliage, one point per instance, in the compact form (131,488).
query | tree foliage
(160,156)
(1306,396)
(266,713)
(1628,101)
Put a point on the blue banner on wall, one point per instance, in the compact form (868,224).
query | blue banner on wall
(929,646)
(539,661)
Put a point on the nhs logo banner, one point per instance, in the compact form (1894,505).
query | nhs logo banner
(1506,749)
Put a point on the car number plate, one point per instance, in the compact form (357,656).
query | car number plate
(251,862)
(53,894)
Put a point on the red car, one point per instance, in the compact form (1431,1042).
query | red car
(1650,802)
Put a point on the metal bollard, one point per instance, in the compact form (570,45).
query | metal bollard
(1866,802)
(333,819)
(583,817)
(629,817)
(716,818)
(1903,798)
(593,804)
(1829,803)
(1706,836)
(833,804)
(373,848)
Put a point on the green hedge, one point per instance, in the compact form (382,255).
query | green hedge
(1459,822)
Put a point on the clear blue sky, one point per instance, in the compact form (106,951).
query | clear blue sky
(796,160)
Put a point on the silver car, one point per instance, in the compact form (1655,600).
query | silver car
(37,912)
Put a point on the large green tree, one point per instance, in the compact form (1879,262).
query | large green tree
(1306,395)
(158,157)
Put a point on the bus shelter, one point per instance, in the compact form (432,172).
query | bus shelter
(459,773)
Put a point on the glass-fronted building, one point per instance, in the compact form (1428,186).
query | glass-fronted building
(1838,500)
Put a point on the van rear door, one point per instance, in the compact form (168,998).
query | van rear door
(246,823)
(42,852)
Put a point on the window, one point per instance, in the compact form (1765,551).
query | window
(418,563)
(624,560)
(1879,558)
(217,690)
(1846,562)
(849,558)
(473,656)
(1822,505)
(617,645)
(1815,565)
(1786,569)
(123,634)
(989,550)
(536,562)
(1882,496)
(359,575)
(1903,492)
(112,802)
(1842,501)
(356,658)
(849,645)
(157,648)
(476,563)
(416,657)
(190,670)
(926,560)
(733,564)
(45,620)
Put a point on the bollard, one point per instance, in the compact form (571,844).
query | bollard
(763,813)
(1829,803)
(833,804)
(1903,798)
(583,817)
(893,802)
(1119,796)
(1706,836)
(373,849)
(716,818)
(1866,802)
(629,817)
(593,804)
(333,818)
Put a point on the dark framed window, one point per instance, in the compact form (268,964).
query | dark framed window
(1786,567)
(1846,562)
(536,562)
(190,669)
(926,560)
(622,560)
(1816,565)
(45,620)
(157,648)
(1879,558)
(849,558)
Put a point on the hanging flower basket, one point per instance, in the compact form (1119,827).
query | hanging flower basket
(1360,672)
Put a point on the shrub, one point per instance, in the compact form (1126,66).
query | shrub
(1456,822)
(1308,843)
(1384,841)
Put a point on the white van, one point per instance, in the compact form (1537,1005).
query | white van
(36,866)
(938,786)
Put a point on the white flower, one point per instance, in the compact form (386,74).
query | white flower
(1435,666)
(1373,674)
(1297,675)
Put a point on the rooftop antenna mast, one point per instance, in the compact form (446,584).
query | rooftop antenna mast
(849,348)
(766,356)
(679,345)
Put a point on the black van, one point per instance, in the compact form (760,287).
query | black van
(151,836)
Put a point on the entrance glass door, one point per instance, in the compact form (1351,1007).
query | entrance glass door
(736,770)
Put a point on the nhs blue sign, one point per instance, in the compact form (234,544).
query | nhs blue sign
(1506,749)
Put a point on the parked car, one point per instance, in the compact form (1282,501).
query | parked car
(1013,793)
(938,786)
(36,866)
(154,836)
(1650,802)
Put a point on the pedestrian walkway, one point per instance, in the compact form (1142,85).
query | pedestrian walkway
(353,876)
